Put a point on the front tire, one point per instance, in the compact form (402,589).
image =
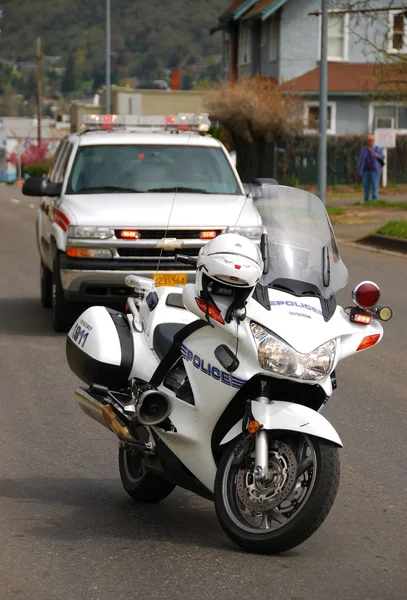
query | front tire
(45,286)
(141,485)
(281,513)
(64,313)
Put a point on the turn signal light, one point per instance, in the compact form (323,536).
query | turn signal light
(211,310)
(129,234)
(207,235)
(253,427)
(368,341)
(366,294)
(79,252)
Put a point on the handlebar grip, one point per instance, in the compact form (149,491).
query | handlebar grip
(186,260)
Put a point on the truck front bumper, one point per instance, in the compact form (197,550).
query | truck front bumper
(94,280)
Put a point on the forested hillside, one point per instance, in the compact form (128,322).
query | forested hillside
(148,37)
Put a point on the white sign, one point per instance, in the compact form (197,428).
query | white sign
(385,138)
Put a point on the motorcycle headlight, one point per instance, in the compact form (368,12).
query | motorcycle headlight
(277,356)
(252,233)
(87,231)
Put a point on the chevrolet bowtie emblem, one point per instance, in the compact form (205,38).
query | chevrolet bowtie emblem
(169,244)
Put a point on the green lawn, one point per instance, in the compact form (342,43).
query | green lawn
(334,210)
(395,229)
(384,204)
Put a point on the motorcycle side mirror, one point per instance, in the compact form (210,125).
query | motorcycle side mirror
(265,252)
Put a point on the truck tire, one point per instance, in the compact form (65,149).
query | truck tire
(45,286)
(64,312)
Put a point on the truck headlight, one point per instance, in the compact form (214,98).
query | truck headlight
(252,233)
(87,231)
(277,356)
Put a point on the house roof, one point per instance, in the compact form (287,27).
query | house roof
(263,9)
(351,78)
(237,9)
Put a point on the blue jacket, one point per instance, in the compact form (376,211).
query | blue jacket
(362,159)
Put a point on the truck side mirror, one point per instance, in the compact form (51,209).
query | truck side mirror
(41,186)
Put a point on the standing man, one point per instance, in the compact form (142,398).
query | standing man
(370,166)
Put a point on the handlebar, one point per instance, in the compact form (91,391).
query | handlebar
(187,260)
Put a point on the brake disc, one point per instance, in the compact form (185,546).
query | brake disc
(264,494)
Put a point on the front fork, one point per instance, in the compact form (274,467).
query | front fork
(261,461)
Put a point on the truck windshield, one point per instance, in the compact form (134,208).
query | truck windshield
(151,168)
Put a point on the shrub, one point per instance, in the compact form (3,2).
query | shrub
(37,169)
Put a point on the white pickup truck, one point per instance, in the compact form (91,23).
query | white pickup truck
(123,199)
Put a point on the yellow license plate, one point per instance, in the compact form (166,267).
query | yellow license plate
(170,279)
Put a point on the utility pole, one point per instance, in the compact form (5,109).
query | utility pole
(323,104)
(39,91)
(108,58)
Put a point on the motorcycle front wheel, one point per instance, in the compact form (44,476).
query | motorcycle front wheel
(275,514)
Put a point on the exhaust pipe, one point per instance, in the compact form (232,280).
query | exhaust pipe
(103,414)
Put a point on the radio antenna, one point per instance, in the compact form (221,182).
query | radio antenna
(175,193)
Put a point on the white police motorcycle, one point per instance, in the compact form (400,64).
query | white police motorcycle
(217,387)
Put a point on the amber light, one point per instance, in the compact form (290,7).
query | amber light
(213,312)
(207,235)
(368,341)
(128,234)
(253,427)
(79,252)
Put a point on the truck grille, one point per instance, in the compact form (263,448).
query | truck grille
(158,234)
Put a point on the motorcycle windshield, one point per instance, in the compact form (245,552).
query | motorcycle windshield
(303,254)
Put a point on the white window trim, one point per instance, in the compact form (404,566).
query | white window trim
(345,57)
(390,48)
(372,111)
(332,105)
(243,63)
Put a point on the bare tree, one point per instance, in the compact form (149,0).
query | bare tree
(379,28)
(254,112)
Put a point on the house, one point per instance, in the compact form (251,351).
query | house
(281,39)
(16,133)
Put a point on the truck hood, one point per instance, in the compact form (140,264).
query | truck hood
(161,210)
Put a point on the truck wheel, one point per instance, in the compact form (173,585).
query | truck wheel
(46,286)
(64,313)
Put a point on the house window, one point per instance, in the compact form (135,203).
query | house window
(245,46)
(397,32)
(273,33)
(338,32)
(264,35)
(387,115)
(311,117)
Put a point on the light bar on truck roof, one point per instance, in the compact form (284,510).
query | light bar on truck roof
(179,122)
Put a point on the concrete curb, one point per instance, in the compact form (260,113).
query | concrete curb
(384,242)
(369,248)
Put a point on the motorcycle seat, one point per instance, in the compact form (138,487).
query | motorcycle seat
(164,336)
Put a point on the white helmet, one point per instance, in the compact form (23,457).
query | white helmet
(228,265)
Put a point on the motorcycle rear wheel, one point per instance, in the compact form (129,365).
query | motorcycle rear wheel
(249,517)
(141,485)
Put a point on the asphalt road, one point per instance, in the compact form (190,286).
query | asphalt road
(69,532)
